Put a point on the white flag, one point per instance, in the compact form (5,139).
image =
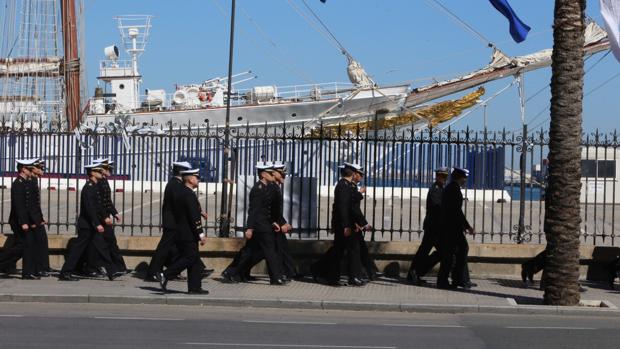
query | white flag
(610,9)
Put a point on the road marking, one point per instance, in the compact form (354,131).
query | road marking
(135,318)
(289,322)
(548,328)
(289,345)
(10,315)
(424,326)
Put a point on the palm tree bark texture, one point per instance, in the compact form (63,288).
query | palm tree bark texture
(562,210)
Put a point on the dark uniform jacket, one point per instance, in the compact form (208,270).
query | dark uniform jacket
(21,202)
(186,210)
(277,204)
(106,196)
(35,210)
(259,211)
(432,220)
(92,210)
(173,188)
(358,215)
(342,212)
(452,216)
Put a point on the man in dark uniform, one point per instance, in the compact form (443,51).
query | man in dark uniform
(424,260)
(22,223)
(187,234)
(343,227)
(91,223)
(361,226)
(167,242)
(260,228)
(452,241)
(42,259)
(106,196)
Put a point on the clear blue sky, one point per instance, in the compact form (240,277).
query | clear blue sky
(395,40)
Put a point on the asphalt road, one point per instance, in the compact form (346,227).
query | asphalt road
(33,325)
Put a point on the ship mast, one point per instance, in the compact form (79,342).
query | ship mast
(71,63)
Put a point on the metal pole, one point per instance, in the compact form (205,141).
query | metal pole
(521,229)
(224,220)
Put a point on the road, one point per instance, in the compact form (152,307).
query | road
(30,325)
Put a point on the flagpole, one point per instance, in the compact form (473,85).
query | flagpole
(224,228)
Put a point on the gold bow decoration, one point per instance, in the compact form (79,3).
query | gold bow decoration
(433,115)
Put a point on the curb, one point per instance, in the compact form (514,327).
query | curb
(316,305)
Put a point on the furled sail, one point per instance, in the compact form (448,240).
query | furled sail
(16,67)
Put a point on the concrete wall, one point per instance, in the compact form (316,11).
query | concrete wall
(391,257)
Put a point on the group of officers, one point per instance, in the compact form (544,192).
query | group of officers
(95,250)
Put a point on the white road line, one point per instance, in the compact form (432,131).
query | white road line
(424,326)
(10,315)
(548,328)
(289,322)
(289,345)
(135,318)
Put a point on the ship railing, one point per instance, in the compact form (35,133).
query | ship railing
(112,68)
(304,91)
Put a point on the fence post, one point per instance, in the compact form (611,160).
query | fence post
(522,235)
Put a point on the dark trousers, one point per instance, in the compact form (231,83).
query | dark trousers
(42,257)
(85,237)
(189,259)
(265,244)
(24,248)
(328,266)
(288,263)
(537,263)
(454,250)
(368,263)
(115,253)
(424,260)
(162,252)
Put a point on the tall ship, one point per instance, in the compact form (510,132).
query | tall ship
(43,84)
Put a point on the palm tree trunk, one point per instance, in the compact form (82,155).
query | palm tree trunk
(562,210)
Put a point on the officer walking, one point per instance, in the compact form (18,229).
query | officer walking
(90,227)
(424,260)
(361,226)
(112,214)
(22,224)
(343,225)
(281,226)
(166,243)
(259,234)
(453,244)
(42,254)
(187,234)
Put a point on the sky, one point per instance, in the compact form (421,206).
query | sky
(395,40)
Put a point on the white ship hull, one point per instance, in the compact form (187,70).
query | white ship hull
(330,111)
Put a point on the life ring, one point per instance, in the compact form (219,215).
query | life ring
(205,96)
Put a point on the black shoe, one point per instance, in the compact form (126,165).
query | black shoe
(249,278)
(52,270)
(445,286)
(412,277)
(115,275)
(150,278)
(198,291)
(43,274)
(420,282)
(356,282)
(229,279)
(466,285)
(206,273)
(163,282)
(31,277)
(335,283)
(67,277)
(277,282)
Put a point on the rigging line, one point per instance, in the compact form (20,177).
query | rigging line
(290,67)
(546,86)
(312,24)
(586,95)
(342,48)
(460,21)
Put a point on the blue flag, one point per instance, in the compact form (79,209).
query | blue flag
(518,29)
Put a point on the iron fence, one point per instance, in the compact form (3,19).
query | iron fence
(504,194)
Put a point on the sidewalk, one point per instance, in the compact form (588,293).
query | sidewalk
(493,295)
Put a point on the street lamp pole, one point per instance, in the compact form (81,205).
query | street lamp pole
(224,214)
